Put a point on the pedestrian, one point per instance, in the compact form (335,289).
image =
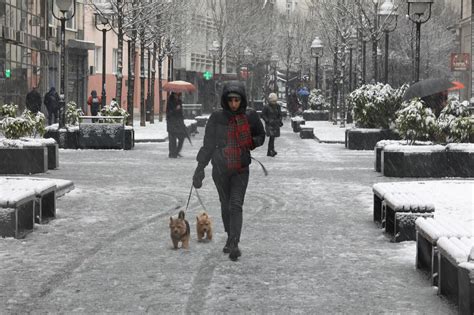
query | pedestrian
(94,102)
(230,134)
(175,125)
(293,104)
(271,115)
(33,100)
(436,101)
(51,101)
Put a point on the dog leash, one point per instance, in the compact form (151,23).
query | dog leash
(265,172)
(198,197)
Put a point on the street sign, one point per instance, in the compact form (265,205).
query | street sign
(207,75)
(8,73)
(460,61)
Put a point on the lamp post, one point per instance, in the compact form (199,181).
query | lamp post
(131,74)
(419,12)
(388,19)
(214,52)
(352,42)
(102,25)
(248,58)
(274,59)
(63,6)
(316,52)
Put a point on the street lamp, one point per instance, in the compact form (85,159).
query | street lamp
(419,12)
(102,24)
(248,54)
(388,19)
(352,42)
(131,74)
(63,6)
(214,52)
(274,59)
(316,52)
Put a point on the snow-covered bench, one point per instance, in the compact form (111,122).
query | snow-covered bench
(456,271)
(306,133)
(296,123)
(24,200)
(428,231)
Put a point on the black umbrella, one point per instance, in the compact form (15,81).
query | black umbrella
(431,86)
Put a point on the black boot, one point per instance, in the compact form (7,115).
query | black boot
(269,153)
(226,248)
(234,250)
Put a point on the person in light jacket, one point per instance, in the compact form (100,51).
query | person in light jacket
(271,115)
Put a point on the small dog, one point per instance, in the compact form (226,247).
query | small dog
(180,231)
(204,226)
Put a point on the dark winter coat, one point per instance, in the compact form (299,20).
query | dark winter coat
(51,100)
(271,115)
(215,137)
(94,102)
(33,101)
(175,117)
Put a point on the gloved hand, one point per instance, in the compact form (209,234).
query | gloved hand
(198,176)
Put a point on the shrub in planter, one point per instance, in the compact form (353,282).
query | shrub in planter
(38,120)
(316,100)
(73,113)
(415,121)
(455,122)
(114,110)
(15,128)
(8,110)
(375,105)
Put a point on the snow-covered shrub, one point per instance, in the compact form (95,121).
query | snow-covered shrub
(316,100)
(38,120)
(16,127)
(73,113)
(8,110)
(113,110)
(455,122)
(415,121)
(375,105)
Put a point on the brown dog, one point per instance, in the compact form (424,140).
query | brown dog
(180,231)
(204,226)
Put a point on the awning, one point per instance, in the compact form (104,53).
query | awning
(80,44)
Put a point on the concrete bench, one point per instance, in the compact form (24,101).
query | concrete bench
(428,231)
(103,132)
(399,212)
(25,197)
(296,123)
(456,271)
(307,133)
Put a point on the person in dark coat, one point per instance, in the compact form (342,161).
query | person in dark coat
(293,104)
(94,102)
(51,101)
(230,134)
(33,101)
(175,124)
(271,115)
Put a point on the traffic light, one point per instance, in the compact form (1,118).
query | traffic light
(207,75)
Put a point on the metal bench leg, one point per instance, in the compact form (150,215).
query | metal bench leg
(435,267)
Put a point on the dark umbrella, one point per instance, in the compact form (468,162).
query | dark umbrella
(431,86)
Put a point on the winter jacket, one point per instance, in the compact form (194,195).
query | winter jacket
(51,100)
(174,116)
(271,115)
(215,137)
(94,102)
(33,101)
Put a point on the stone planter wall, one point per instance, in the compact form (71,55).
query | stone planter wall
(316,115)
(25,160)
(367,138)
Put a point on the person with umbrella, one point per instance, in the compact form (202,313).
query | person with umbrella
(175,125)
(230,134)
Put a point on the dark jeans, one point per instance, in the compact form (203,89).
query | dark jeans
(175,144)
(94,111)
(271,144)
(52,113)
(231,190)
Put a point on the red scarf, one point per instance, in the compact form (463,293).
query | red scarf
(238,138)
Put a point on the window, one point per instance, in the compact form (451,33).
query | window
(115,61)
(98,59)
(71,23)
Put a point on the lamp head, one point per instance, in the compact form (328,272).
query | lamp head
(388,16)
(64,5)
(419,7)
(317,48)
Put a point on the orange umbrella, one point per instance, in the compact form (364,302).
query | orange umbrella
(179,86)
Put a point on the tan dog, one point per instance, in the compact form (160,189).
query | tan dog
(180,231)
(204,226)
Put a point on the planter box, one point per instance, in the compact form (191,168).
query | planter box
(66,139)
(306,133)
(101,136)
(129,138)
(381,144)
(296,123)
(460,159)
(316,115)
(414,161)
(367,138)
(23,160)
